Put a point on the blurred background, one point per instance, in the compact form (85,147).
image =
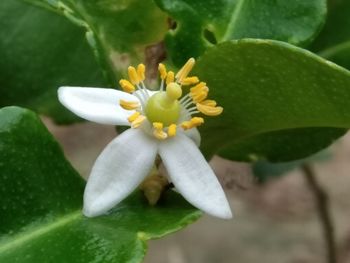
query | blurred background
(275,221)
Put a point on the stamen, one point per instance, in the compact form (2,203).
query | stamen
(170,77)
(172,130)
(133,76)
(162,71)
(211,103)
(185,70)
(199,96)
(189,81)
(138,121)
(158,125)
(194,122)
(141,72)
(185,98)
(202,86)
(158,131)
(129,105)
(209,110)
(134,116)
(127,86)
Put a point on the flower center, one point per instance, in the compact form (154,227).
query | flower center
(164,107)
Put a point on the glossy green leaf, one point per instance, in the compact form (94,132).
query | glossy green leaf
(203,23)
(120,32)
(280,102)
(333,43)
(41,51)
(41,199)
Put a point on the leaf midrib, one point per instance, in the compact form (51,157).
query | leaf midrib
(234,19)
(36,232)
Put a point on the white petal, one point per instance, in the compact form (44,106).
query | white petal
(193,177)
(96,104)
(119,169)
(194,135)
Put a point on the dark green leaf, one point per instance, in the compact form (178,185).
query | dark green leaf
(334,41)
(41,51)
(203,23)
(41,199)
(120,32)
(280,102)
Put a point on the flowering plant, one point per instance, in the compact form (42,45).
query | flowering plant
(161,124)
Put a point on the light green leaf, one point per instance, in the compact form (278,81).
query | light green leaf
(280,102)
(203,23)
(41,51)
(41,199)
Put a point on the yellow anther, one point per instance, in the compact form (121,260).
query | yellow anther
(158,125)
(209,110)
(186,125)
(127,86)
(185,70)
(170,77)
(141,72)
(202,86)
(138,121)
(162,71)
(173,91)
(129,105)
(199,96)
(189,81)
(172,130)
(194,122)
(211,103)
(133,76)
(197,121)
(134,116)
(158,131)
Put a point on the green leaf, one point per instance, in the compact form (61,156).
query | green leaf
(120,32)
(41,199)
(280,102)
(203,23)
(333,43)
(41,51)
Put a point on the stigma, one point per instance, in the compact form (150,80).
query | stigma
(167,111)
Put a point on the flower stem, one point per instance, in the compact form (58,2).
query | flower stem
(322,202)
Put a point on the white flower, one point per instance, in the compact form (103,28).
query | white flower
(161,124)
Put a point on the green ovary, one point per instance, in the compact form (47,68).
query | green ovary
(161,108)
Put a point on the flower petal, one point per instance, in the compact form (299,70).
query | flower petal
(193,177)
(119,169)
(96,104)
(194,135)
